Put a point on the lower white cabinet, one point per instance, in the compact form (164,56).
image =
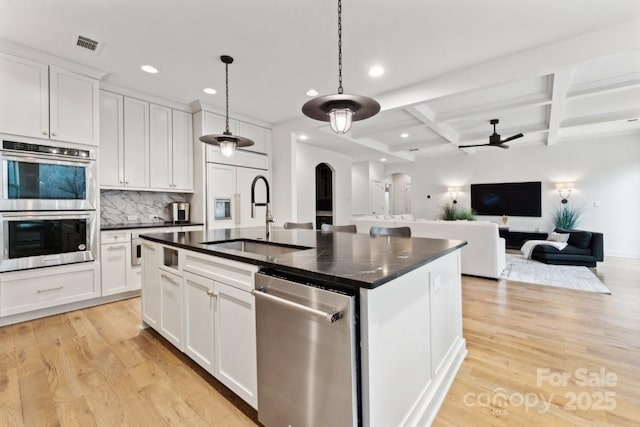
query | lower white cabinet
(171,307)
(118,275)
(203,305)
(235,342)
(199,302)
(151,285)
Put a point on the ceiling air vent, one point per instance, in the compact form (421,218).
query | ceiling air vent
(413,149)
(87,43)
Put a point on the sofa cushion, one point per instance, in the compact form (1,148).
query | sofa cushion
(558,237)
(568,250)
(577,238)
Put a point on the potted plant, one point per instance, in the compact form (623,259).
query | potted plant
(466,215)
(448,212)
(566,217)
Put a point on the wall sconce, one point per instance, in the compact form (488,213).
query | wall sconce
(453,193)
(564,190)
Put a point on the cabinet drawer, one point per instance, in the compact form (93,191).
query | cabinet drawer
(46,288)
(114,237)
(236,274)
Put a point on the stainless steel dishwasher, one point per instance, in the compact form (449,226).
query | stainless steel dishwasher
(306,345)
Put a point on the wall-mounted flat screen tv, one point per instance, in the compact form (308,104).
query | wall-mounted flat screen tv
(510,198)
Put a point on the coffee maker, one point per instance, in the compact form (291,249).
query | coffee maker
(179,212)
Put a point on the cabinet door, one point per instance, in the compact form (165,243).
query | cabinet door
(136,143)
(182,153)
(150,284)
(171,307)
(255,133)
(245,177)
(24,97)
(74,107)
(114,259)
(111,139)
(134,277)
(235,341)
(160,135)
(221,183)
(199,307)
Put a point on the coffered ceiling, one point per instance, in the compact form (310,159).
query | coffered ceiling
(282,48)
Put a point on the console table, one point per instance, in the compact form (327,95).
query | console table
(515,239)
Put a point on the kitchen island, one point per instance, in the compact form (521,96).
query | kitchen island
(197,293)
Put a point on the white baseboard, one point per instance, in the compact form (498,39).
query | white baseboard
(617,254)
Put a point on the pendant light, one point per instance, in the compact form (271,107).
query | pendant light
(227,142)
(340,110)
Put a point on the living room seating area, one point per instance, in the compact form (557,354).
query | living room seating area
(584,248)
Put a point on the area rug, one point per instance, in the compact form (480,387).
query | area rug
(562,276)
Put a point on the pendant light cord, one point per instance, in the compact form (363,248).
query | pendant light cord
(226,71)
(340,90)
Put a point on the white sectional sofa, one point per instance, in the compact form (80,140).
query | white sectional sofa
(484,254)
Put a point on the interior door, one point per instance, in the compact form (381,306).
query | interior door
(245,177)
(221,183)
(377,197)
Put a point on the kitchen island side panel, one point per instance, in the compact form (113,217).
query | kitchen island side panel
(410,353)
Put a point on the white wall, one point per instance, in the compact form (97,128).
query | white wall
(604,170)
(307,158)
(360,181)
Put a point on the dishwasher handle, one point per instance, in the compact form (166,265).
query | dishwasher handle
(328,316)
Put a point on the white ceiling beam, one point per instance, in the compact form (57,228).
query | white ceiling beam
(610,86)
(427,116)
(373,145)
(398,126)
(601,118)
(420,144)
(491,109)
(561,84)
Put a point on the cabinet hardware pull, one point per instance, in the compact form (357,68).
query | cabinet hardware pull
(212,294)
(146,245)
(50,289)
(329,316)
(126,182)
(53,134)
(44,132)
(113,248)
(120,181)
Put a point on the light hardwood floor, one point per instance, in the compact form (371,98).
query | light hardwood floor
(96,367)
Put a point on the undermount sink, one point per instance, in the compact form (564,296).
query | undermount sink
(254,247)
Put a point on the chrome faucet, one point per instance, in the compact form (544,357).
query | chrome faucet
(268,217)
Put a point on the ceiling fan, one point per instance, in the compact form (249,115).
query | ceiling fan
(494,138)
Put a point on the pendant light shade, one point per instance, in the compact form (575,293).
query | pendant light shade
(226,141)
(340,110)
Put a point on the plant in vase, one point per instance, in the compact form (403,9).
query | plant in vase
(466,215)
(566,217)
(448,212)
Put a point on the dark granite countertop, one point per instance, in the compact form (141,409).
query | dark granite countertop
(132,225)
(344,259)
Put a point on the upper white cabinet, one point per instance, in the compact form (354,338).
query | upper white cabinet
(215,124)
(144,146)
(47,102)
(73,102)
(255,133)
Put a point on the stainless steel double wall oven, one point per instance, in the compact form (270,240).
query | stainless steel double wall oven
(47,206)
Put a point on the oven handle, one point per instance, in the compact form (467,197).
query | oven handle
(45,216)
(41,158)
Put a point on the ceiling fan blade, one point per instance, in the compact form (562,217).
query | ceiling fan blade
(511,138)
(474,145)
(506,147)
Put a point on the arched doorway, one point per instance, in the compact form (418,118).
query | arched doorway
(324,195)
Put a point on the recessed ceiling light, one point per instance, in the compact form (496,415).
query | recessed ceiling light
(312,92)
(209,91)
(303,137)
(383,159)
(404,135)
(376,71)
(149,69)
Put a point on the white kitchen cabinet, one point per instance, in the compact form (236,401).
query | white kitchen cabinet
(160,136)
(111,170)
(48,102)
(234,183)
(199,306)
(118,275)
(182,151)
(171,307)
(24,100)
(235,341)
(74,107)
(136,143)
(151,284)
(255,133)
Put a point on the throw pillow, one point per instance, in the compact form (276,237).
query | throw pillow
(558,237)
(580,239)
